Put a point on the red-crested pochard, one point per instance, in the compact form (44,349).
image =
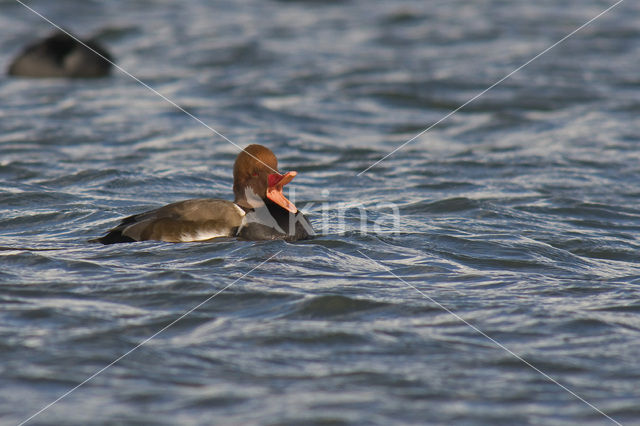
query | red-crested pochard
(260,210)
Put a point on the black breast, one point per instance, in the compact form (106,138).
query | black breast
(272,222)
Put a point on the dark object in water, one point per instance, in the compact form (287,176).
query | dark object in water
(59,55)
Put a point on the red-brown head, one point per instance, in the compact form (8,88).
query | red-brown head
(256,170)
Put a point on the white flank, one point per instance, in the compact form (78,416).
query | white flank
(201,236)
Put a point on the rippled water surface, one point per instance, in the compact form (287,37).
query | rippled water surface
(518,215)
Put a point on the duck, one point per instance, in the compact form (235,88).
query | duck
(62,55)
(260,211)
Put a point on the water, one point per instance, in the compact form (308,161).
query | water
(519,214)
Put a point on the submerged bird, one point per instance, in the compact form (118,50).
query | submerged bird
(60,55)
(260,210)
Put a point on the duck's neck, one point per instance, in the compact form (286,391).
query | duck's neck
(243,204)
(275,209)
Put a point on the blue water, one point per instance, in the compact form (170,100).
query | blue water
(519,214)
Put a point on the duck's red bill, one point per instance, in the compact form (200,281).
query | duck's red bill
(275,183)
